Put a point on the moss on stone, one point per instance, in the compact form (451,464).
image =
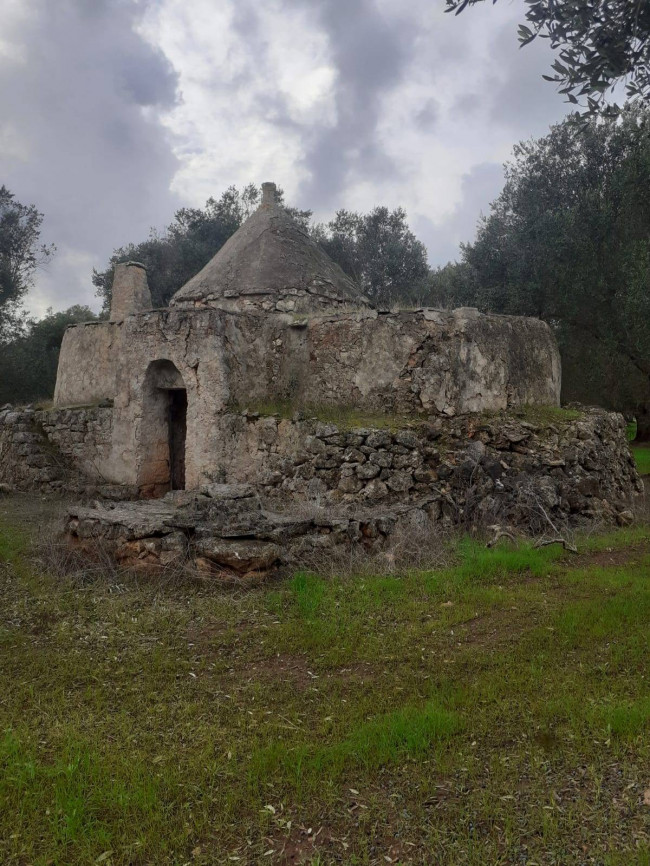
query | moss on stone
(344,417)
(542,416)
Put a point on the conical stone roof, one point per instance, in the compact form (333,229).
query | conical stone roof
(270,263)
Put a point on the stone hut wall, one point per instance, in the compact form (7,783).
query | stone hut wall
(414,363)
(89,363)
(54,450)
(193,344)
(425,361)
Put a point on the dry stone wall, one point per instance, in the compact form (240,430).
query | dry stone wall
(539,477)
(56,450)
(27,458)
(531,470)
(224,531)
(570,467)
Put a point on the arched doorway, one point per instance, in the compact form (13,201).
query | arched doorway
(163,430)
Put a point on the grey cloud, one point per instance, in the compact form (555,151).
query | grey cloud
(96,166)
(148,77)
(427,116)
(371,56)
(522,100)
(100,167)
(467,105)
(480,186)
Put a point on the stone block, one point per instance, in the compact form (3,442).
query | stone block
(381,458)
(400,482)
(374,491)
(379,439)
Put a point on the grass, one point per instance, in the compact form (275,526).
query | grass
(641,452)
(493,711)
(642,458)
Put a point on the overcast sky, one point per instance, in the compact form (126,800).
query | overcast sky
(113,113)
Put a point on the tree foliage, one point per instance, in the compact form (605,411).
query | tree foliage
(568,240)
(600,43)
(20,255)
(379,252)
(29,361)
(179,252)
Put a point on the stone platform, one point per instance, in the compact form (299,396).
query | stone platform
(225,531)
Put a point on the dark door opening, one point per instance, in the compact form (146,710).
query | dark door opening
(177,434)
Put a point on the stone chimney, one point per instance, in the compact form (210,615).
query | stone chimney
(130,291)
(269,194)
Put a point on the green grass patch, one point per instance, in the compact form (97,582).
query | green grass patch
(76,803)
(541,416)
(617,539)
(642,458)
(392,737)
(629,719)
(13,543)
(350,418)
(545,415)
(479,563)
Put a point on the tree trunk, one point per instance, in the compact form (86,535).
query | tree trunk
(643,423)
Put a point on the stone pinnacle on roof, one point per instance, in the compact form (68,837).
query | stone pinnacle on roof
(271,262)
(269,194)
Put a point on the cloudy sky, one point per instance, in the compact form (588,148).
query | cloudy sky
(113,113)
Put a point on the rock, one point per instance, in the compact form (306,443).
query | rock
(545,488)
(434,510)
(407,461)
(315,445)
(400,482)
(407,438)
(240,556)
(353,455)
(625,518)
(381,458)
(368,470)
(349,484)
(589,486)
(325,430)
(475,450)
(424,476)
(375,490)
(228,491)
(379,439)
(514,435)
